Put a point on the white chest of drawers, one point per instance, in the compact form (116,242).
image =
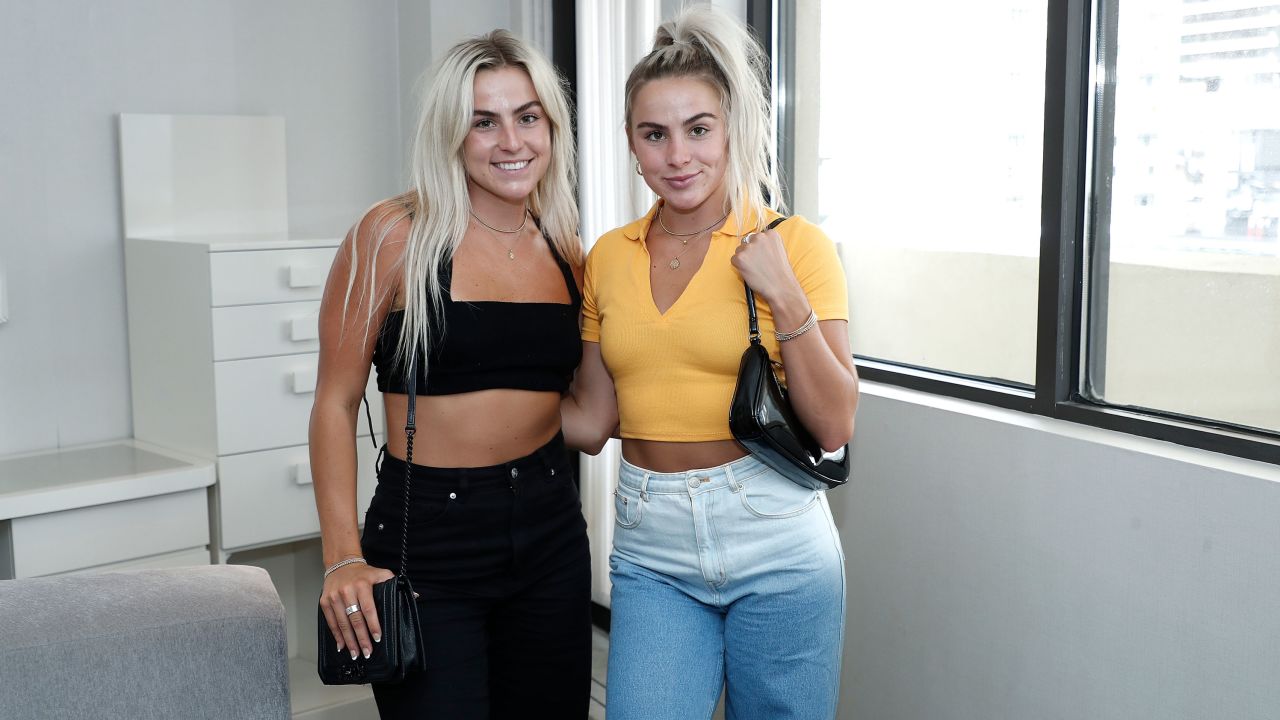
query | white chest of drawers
(223,353)
(222,342)
(102,507)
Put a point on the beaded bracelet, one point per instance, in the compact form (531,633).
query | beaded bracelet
(806,327)
(343,563)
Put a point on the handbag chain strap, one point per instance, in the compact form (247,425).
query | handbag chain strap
(410,429)
(753,322)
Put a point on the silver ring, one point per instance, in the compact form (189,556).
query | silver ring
(746,240)
(353,609)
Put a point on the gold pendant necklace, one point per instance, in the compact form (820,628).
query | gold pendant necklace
(684,238)
(511,252)
(675,261)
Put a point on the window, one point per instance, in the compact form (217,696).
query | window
(1184,304)
(1066,207)
(928,175)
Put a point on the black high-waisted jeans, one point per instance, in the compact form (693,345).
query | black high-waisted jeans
(499,558)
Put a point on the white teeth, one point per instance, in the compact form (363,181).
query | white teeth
(513,165)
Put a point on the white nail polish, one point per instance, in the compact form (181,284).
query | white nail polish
(377,637)
(367,653)
(354,654)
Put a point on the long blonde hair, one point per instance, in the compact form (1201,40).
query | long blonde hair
(706,43)
(438,204)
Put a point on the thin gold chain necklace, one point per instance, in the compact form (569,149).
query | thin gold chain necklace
(511,253)
(684,238)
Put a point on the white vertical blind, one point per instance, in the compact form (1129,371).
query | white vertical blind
(532,21)
(612,36)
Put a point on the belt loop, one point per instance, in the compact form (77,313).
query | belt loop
(733,482)
(644,487)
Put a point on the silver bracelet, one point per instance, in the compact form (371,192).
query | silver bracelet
(806,327)
(343,563)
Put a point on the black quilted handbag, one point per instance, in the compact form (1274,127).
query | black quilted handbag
(761,419)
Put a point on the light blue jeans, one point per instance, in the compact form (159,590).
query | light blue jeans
(730,577)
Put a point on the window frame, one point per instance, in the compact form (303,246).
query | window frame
(1067,203)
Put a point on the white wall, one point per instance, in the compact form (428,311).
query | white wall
(429,28)
(1002,565)
(335,70)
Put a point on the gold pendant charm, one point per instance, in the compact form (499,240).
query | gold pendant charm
(511,255)
(674,264)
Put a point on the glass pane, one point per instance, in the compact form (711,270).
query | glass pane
(929,145)
(1186,286)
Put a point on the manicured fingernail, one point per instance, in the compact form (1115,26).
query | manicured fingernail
(367,653)
(339,646)
(354,654)
(377,637)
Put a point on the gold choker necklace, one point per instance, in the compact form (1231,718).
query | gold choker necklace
(508,232)
(695,232)
(684,238)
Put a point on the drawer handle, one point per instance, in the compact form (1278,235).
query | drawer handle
(302,473)
(304,328)
(305,276)
(304,381)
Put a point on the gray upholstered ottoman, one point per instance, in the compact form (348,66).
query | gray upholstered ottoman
(199,642)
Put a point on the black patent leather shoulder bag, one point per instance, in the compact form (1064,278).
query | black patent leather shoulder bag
(762,420)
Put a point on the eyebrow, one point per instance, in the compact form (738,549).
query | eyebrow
(523,108)
(690,121)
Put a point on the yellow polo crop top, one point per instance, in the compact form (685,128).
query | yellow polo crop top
(674,373)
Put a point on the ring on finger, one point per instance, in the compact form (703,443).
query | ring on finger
(352,609)
(746,240)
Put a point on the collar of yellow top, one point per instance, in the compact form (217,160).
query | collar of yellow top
(638,228)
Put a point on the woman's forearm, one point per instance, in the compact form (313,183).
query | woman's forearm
(822,387)
(333,471)
(589,411)
(580,433)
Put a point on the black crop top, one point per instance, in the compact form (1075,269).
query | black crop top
(490,344)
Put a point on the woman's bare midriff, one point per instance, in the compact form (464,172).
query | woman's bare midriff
(660,456)
(474,429)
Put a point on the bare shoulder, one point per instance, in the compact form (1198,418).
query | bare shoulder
(371,258)
(383,228)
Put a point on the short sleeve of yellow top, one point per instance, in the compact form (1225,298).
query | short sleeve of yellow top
(674,372)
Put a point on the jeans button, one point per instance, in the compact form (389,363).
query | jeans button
(515,472)
(694,482)
(553,472)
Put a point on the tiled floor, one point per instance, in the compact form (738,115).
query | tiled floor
(599,664)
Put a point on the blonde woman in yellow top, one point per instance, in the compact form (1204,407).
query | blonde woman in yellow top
(725,574)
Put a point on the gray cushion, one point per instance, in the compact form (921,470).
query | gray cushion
(200,642)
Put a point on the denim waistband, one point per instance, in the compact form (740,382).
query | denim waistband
(697,480)
(543,460)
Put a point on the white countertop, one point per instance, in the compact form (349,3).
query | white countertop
(75,477)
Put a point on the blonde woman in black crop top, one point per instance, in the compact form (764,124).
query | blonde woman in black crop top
(470,281)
